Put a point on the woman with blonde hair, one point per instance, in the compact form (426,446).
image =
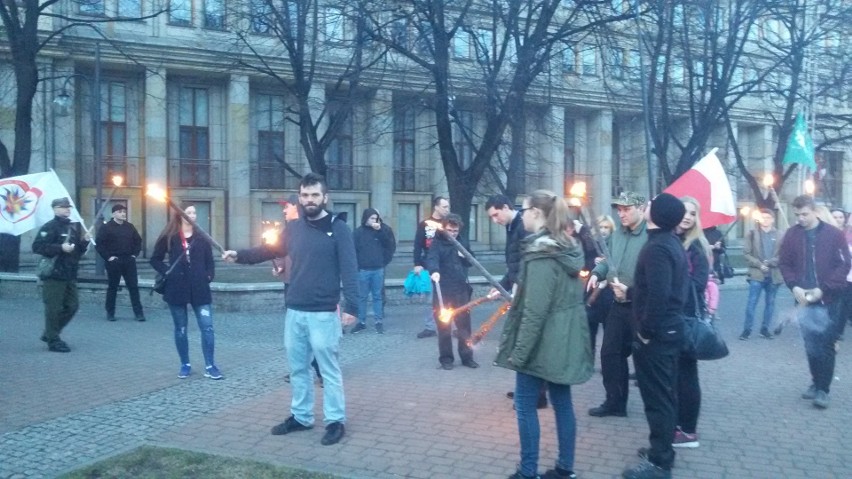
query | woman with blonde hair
(546,336)
(698,254)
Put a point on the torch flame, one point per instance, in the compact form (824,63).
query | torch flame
(584,274)
(768,180)
(810,187)
(117,180)
(270,236)
(756,215)
(578,189)
(157,193)
(745,211)
(446,315)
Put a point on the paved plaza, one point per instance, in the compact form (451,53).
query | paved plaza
(118,389)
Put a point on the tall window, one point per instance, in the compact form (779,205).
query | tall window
(569,147)
(129,8)
(634,62)
(180,12)
(403,149)
(337,26)
(114,130)
(461,45)
(92,7)
(464,131)
(269,120)
(261,16)
(616,63)
(408,217)
(569,59)
(194,137)
(340,157)
(485,44)
(214,14)
(589,60)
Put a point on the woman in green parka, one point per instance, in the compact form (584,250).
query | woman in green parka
(546,336)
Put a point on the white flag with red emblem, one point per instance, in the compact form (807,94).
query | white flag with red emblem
(708,183)
(25,201)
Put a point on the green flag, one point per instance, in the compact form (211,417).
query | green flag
(800,146)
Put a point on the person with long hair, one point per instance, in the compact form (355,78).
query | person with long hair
(190,258)
(698,254)
(546,336)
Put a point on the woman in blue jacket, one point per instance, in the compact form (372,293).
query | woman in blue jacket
(188,282)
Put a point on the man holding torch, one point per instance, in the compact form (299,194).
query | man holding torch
(323,253)
(423,238)
(617,344)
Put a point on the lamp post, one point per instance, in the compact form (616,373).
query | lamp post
(63,104)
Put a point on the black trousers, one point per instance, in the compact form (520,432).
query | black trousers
(454,296)
(688,394)
(123,266)
(615,349)
(656,370)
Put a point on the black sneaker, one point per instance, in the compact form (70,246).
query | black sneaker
(518,475)
(447,366)
(647,470)
(58,346)
(745,335)
(358,328)
(558,473)
(110,317)
(510,394)
(288,426)
(140,318)
(603,411)
(426,333)
(470,363)
(380,328)
(333,434)
(765,334)
(43,338)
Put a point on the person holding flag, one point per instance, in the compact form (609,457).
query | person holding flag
(62,243)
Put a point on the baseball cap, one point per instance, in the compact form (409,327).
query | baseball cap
(628,198)
(61,203)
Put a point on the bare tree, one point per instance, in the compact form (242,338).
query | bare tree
(318,53)
(484,54)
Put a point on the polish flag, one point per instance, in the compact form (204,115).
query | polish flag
(708,183)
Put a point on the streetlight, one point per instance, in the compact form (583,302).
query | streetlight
(62,104)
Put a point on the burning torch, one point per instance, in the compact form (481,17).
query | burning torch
(487,325)
(117,181)
(157,193)
(447,315)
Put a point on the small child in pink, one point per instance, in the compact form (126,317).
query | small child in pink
(711,295)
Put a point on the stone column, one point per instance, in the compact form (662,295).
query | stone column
(599,158)
(555,155)
(379,129)
(239,227)
(156,151)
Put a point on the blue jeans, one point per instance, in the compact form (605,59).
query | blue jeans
(204,317)
(429,320)
(526,397)
(370,282)
(317,335)
(754,289)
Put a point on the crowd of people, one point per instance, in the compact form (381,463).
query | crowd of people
(638,279)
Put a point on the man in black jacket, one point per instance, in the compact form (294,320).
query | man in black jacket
(449,272)
(423,238)
(119,243)
(323,253)
(65,242)
(374,247)
(658,293)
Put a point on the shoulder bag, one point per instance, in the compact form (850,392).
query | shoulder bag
(702,338)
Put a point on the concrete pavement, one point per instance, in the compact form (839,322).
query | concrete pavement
(118,389)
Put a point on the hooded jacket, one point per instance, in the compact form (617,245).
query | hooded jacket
(546,334)
(374,248)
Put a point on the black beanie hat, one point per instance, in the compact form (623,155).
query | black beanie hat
(667,211)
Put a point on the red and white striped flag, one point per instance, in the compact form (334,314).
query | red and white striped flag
(25,201)
(708,183)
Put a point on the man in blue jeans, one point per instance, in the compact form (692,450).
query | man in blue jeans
(761,253)
(323,253)
(374,248)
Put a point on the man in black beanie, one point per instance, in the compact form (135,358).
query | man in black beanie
(118,242)
(658,293)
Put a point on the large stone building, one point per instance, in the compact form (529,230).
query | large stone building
(175,110)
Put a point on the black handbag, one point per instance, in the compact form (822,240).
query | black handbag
(702,339)
(160,279)
(45,267)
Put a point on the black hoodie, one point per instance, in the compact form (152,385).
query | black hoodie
(374,248)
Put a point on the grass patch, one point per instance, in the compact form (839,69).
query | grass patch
(156,462)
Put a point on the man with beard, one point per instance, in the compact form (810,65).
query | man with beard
(323,254)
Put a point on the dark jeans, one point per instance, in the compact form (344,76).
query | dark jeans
(124,266)
(60,305)
(656,370)
(818,324)
(845,314)
(454,296)
(688,394)
(615,349)
(597,313)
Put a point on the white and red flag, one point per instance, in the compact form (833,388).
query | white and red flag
(708,183)
(25,201)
